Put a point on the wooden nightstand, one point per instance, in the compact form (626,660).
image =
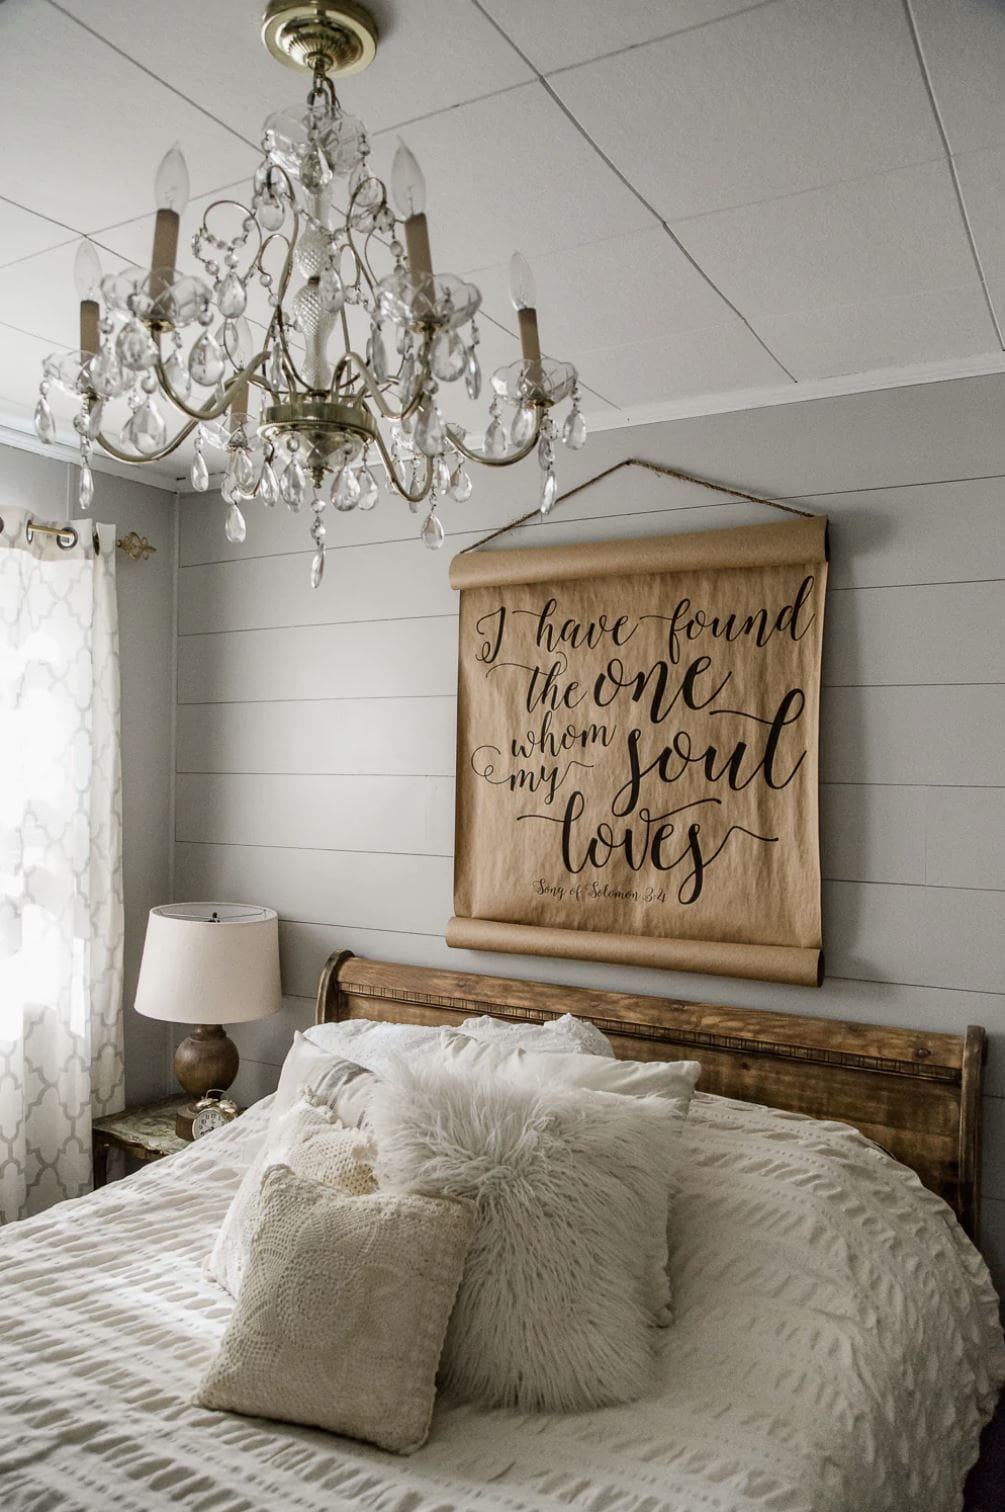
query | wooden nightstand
(142,1133)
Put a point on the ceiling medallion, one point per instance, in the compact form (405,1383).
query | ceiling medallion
(338,375)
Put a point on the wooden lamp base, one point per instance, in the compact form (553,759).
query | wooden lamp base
(206,1059)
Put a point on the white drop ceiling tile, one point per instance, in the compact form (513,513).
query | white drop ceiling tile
(23,234)
(982,180)
(511,172)
(611,292)
(39,295)
(964,47)
(718,359)
(872,238)
(91,128)
(779,99)
(566,32)
(430,57)
(901,332)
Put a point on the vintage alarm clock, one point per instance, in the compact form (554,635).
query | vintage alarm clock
(212,1112)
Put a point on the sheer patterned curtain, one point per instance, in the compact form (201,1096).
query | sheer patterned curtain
(60,859)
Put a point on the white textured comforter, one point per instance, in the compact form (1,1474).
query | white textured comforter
(836,1349)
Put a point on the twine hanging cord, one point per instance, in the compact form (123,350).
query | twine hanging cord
(656,467)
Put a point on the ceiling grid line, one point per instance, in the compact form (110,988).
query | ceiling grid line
(542,80)
(681,31)
(163,83)
(954,173)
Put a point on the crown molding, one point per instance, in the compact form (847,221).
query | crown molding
(841,387)
(61,451)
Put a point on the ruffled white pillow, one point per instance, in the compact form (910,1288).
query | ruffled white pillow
(672,1080)
(372,1042)
(375,1045)
(554,1037)
(335,1081)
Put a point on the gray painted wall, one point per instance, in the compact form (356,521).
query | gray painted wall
(145,593)
(315,730)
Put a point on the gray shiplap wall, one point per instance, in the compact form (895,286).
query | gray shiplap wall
(145,592)
(315,730)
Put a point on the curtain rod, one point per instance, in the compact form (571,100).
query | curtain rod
(136,547)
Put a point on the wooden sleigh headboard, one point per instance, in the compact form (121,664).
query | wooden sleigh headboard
(914,1093)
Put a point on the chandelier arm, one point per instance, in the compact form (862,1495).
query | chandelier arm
(284,278)
(362,257)
(218,406)
(280,172)
(453,435)
(365,254)
(374,392)
(392,473)
(273,335)
(158,456)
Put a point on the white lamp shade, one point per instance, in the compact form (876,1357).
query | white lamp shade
(209,963)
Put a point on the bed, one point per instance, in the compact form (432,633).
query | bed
(836,1344)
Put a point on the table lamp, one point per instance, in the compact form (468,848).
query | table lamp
(208,964)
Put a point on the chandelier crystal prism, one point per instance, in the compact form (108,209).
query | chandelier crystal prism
(316,344)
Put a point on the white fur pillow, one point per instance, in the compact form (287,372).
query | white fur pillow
(554,1037)
(565,1279)
(315,1145)
(341,1318)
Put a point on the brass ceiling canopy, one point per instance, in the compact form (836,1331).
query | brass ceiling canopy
(320,36)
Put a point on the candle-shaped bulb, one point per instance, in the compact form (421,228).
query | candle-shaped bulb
(87,271)
(171,182)
(407,184)
(521,283)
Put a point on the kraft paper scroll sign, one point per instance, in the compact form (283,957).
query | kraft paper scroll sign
(637,765)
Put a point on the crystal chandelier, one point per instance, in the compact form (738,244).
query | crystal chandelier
(340,270)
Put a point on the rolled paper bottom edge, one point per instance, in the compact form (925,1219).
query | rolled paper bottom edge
(795,965)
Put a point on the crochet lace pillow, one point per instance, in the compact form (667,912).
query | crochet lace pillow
(566,1278)
(341,1318)
(314,1144)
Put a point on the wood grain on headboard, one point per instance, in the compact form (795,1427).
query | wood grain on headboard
(917,1094)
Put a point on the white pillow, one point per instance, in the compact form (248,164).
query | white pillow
(314,1145)
(672,1080)
(553,1037)
(304,1063)
(341,1319)
(566,1277)
(372,1042)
